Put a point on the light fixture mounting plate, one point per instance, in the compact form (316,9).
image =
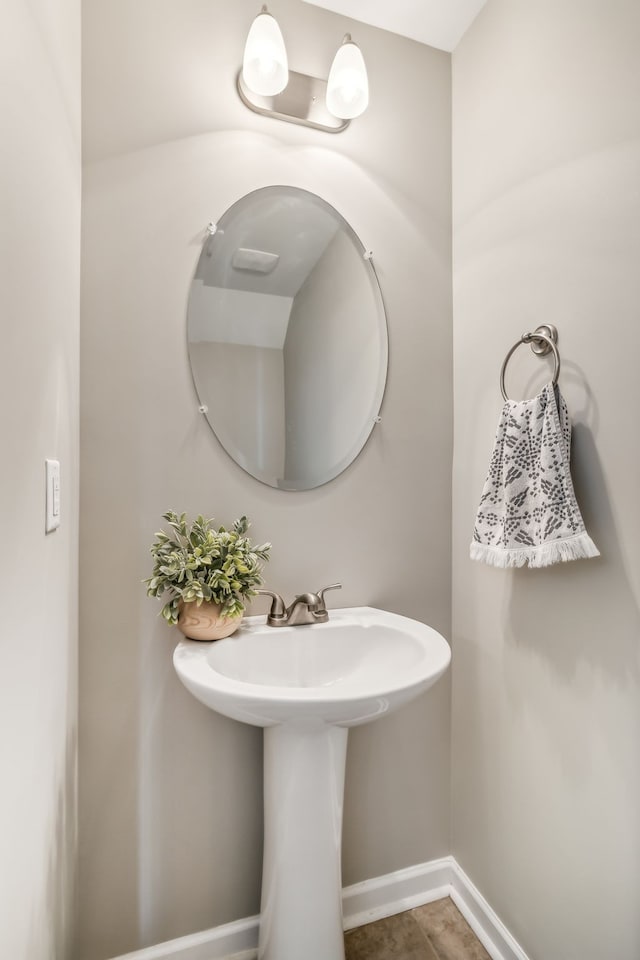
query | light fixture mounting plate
(302,101)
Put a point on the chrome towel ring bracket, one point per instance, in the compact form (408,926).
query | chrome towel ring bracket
(543,341)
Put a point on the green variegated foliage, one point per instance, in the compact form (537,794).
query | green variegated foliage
(198,562)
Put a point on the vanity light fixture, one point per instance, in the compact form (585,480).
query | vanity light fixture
(268,87)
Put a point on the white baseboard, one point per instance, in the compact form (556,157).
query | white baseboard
(395,892)
(230,941)
(485,923)
(362,903)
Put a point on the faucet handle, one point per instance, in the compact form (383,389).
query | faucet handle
(277,612)
(321,593)
(310,599)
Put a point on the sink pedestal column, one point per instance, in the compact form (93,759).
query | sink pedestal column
(301,914)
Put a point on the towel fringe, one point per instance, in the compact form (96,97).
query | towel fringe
(580,547)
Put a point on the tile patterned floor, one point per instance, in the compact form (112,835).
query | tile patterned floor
(436,931)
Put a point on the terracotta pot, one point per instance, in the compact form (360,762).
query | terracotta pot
(204,622)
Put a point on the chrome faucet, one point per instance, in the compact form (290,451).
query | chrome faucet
(305,608)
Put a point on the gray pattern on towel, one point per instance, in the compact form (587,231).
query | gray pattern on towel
(528,512)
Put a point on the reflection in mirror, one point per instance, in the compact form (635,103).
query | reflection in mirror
(287,338)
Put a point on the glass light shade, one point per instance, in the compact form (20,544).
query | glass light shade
(265,69)
(348,84)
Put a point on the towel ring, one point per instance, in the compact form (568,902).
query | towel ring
(543,341)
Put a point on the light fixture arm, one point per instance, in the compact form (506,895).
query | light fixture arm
(303,101)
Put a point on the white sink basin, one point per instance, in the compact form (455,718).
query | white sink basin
(361,664)
(306,686)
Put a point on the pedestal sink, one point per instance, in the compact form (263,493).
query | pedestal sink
(306,685)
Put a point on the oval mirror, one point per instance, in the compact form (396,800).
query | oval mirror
(287,338)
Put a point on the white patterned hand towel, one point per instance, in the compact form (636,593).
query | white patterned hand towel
(528,512)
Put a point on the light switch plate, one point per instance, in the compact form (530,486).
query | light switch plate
(52,472)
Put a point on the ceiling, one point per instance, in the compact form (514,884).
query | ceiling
(438,23)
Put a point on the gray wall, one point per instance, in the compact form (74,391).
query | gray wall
(39,313)
(171,792)
(546,696)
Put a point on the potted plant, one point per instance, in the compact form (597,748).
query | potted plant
(208,573)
